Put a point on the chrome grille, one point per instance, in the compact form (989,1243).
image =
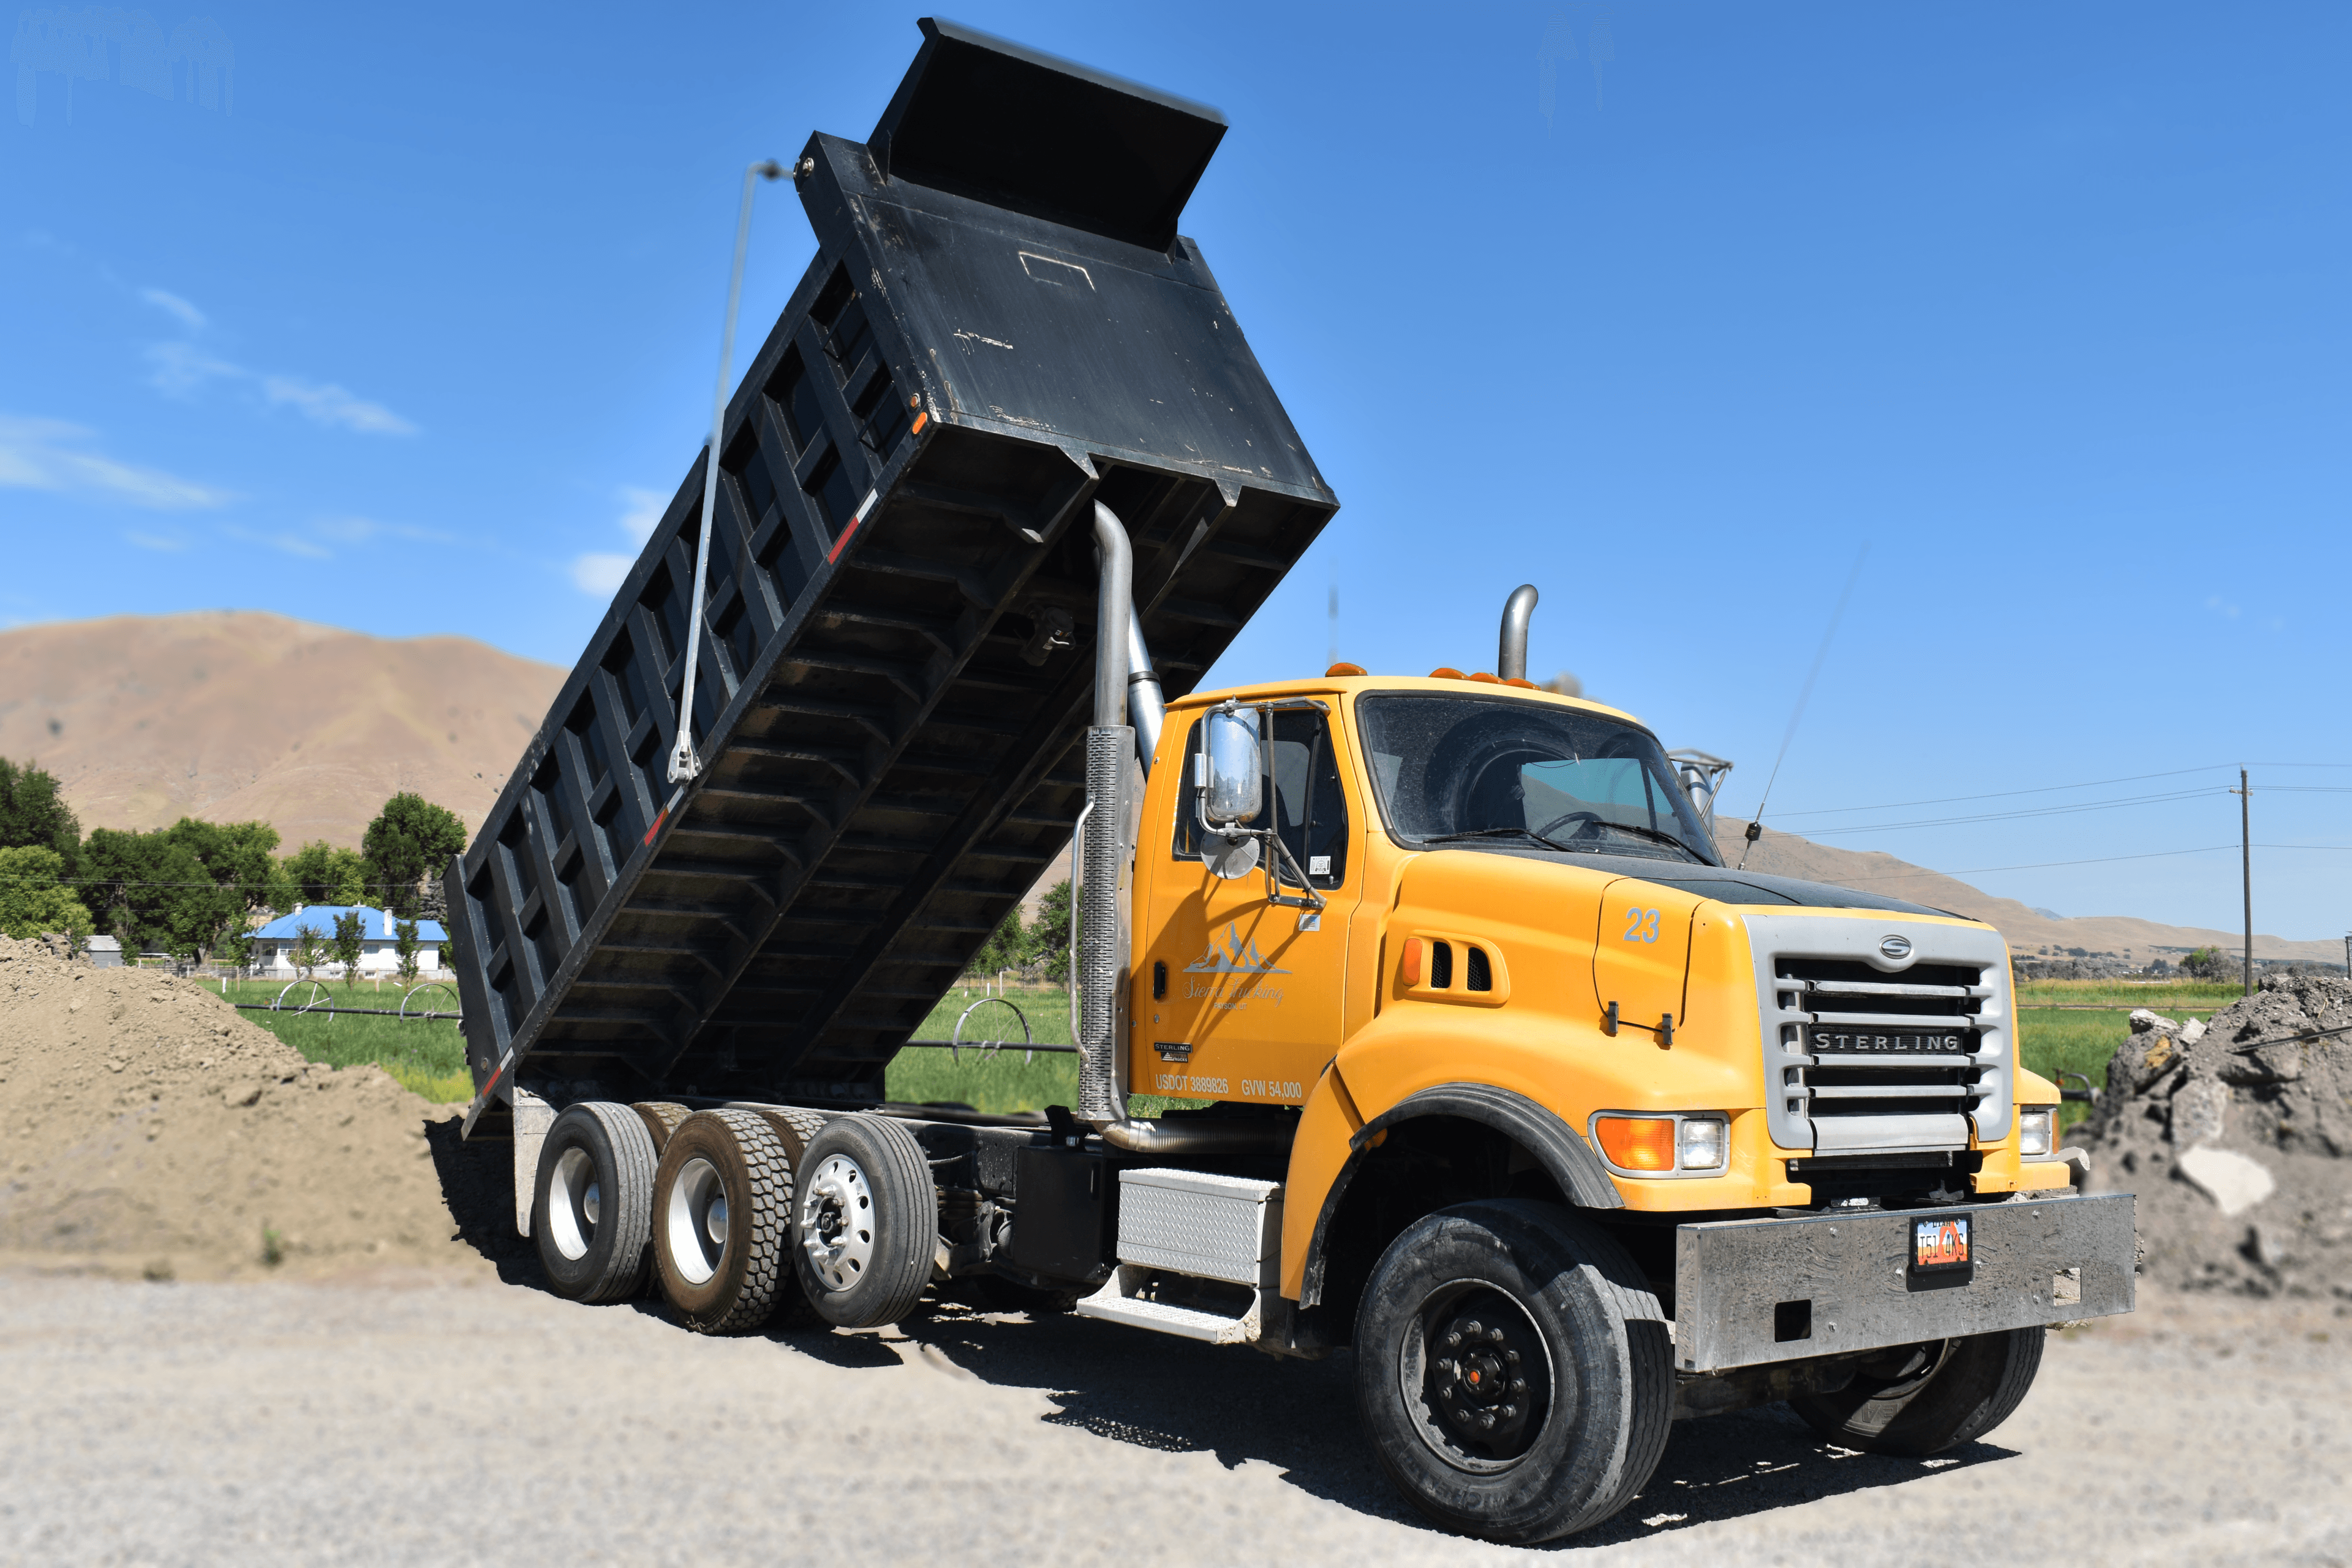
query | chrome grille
(1864,1054)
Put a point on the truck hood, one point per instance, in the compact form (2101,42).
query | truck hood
(1719,882)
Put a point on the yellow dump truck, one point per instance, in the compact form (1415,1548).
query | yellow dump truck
(1506,1085)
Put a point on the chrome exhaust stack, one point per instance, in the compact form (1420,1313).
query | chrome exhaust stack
(1511,659)
(1100,966)
(1147,708)
(1100,961)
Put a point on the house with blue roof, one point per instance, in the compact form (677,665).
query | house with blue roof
(273,945)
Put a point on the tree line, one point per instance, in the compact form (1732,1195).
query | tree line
(196,890)
(1039,949)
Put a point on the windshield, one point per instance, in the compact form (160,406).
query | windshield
(1461,769)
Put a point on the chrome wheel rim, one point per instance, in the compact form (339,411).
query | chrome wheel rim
(836,1222)
(573,1202)
(1476,1376)
(695,1222)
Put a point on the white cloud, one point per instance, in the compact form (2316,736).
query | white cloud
(52,455)
(359,529)
(644,513)
(172,304)
(156,542)
(601,574)
(327,404)
(181,369)
(290,544)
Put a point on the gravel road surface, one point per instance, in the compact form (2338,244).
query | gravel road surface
(419,1420)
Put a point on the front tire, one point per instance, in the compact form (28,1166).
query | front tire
(1507,1391)
(1923,1399)
(592,1203)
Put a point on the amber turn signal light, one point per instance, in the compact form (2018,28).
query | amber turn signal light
(1638,1142)
(1409,965)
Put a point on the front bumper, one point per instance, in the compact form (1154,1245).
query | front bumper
(1737,1281)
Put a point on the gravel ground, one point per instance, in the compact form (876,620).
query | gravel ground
(413,1419)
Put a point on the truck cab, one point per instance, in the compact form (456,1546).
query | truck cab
(1512,889)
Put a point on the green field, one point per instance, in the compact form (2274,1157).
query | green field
(427,1056)
(2080,1034)
(430,1057)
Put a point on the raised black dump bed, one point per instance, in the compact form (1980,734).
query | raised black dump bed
(1001,326)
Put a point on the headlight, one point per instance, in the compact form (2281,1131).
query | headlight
(1703,1144)
(2037,1130)
(1663,1145)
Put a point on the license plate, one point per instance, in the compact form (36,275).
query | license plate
(1872,1042)
(1939,1245)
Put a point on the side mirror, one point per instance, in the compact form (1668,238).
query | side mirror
(1233,767)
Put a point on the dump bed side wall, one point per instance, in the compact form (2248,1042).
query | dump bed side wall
(886,737)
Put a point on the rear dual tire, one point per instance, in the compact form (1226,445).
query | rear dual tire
(592,1201)
(1923,1399)
(866,1222)
(721,1212)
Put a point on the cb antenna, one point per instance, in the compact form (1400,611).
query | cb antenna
(1756,826)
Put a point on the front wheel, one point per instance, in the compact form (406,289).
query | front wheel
(1918,1400)
(1507,1391)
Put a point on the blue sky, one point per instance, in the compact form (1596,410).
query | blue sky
(401,319)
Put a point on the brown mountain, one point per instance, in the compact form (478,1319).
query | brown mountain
(2028,930)
(236,714)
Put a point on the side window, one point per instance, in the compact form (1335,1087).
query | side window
(1310,810)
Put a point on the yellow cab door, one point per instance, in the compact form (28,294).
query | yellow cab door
(1237,998)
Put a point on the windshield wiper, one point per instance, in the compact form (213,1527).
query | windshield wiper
(1500,832)
(1661,836)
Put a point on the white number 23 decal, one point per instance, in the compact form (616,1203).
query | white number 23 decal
(1641,925)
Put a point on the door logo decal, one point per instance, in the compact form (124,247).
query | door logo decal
(1237,955)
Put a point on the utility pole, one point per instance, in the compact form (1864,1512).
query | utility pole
(2246,867)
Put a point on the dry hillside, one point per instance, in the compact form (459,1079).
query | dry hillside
(236,714)
(2135,940)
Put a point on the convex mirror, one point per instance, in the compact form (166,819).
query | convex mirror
(1232,764)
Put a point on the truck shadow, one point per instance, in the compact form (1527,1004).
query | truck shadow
(1238,1405)
(478,1185)
(1300,1417)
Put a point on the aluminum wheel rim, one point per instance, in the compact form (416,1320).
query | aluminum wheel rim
(573,1202)
(1424,1353)
(694,1227)
(836,1222)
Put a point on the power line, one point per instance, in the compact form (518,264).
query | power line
(2097,861)
(2013,816)
(1998,793)
(2087,784)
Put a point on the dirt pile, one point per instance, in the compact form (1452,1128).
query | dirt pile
(2237,1137)
(149,1128)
